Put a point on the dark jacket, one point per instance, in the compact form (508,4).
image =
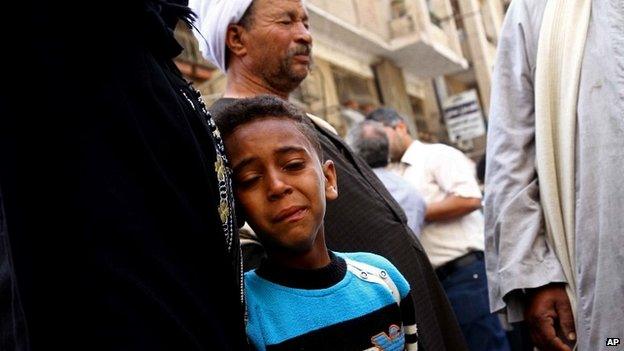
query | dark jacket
(107,171)
(12,324)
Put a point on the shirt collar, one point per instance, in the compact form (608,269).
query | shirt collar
(412,153)
(308,279)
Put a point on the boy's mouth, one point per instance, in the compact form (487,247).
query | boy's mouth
(291,214)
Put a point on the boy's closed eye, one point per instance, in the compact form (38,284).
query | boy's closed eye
(247,179)
(295,165)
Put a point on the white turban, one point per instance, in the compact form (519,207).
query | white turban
(213,18)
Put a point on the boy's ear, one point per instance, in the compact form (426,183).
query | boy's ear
(331,184)
(234,39)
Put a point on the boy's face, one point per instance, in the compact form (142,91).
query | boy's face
(280,182)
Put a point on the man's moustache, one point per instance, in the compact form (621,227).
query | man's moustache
(300,50)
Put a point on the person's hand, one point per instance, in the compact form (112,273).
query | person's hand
(550,320)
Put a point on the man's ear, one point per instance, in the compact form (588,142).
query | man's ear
(234,39)
(402,127)
(331,183)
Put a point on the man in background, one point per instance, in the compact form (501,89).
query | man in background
(351,115)
(555,156)
(369,140)
(453,234)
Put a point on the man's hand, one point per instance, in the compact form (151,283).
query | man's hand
(549,316)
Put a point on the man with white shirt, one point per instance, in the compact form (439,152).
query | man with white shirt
(369,140)
(453,234)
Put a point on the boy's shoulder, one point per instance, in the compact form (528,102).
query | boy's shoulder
(379,262)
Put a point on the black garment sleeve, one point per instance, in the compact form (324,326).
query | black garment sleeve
(12,325)
(108,181)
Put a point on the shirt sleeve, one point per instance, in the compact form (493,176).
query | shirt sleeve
(454,173)
(518,255)
(413,204)
(421,207)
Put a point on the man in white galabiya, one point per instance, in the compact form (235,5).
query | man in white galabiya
(554,196)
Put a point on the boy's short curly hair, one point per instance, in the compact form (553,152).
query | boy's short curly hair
(243,111)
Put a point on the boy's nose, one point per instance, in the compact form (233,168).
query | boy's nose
(277,188)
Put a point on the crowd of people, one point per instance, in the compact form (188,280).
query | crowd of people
(138,218)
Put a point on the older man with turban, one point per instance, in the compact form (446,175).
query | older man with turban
(264,46)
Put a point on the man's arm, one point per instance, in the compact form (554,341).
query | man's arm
(454,174)
(451,207)
(519,259)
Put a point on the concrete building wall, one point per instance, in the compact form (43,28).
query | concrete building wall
(393,91)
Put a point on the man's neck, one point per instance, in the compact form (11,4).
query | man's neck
(244,84)
(406,143)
